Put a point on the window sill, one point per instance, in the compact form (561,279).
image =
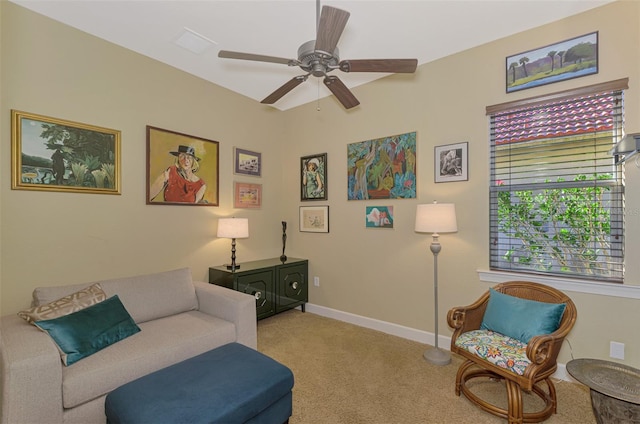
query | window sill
(564,284)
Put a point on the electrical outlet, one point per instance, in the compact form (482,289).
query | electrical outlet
(316,281)
(616,350)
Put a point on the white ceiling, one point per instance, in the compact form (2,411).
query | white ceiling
(422,29)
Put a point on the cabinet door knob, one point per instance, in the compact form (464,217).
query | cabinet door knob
(257,295)
(294,285)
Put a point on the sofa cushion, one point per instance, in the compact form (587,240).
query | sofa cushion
(520,318)
(161,343)
(89,330)
(65,305)
(146,297)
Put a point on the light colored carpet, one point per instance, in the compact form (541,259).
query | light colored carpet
(348,374)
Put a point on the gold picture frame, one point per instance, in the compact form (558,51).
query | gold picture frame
(52,154)
(182,170)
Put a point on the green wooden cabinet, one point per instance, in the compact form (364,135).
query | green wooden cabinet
(277,286)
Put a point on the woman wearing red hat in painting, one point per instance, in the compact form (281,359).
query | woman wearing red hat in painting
(179,181)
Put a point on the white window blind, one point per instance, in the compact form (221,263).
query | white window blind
(556,196)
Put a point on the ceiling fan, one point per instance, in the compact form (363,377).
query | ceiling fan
(320,56)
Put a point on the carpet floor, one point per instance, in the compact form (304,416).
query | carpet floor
(348,374)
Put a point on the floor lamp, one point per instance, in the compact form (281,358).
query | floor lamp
(233,228)
(436,218)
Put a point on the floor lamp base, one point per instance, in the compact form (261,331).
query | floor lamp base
(437,356)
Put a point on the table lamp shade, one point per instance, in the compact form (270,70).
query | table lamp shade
(233,228)
(436,218)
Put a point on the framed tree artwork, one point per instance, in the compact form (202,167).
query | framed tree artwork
(52,154)
(313,177)
(382,168)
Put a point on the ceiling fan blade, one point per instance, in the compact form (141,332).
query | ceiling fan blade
(330,27)
(288,86)
(226,54)
(407,66)
(342,93)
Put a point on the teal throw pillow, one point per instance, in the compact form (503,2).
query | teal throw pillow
(89,330)
(520,318)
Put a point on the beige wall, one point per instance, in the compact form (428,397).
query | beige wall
(385,274)
(58,238)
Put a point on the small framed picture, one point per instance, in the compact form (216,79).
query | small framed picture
(51,154)
(314,219)
(246,162)
(379,216)
(451,162)
(247,195)
(313,177)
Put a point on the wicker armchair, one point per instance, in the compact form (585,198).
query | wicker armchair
(537,358)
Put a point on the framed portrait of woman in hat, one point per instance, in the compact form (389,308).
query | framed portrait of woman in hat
(181,169)
(313,177)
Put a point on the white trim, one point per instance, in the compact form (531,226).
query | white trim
(419,336)
(580,286)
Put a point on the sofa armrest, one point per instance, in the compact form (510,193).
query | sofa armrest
(230,305)
(30,372)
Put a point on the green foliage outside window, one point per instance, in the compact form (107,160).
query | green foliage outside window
(558,228)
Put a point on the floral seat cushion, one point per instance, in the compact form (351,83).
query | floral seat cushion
(496,348)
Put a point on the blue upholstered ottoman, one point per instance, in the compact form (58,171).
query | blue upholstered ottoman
(230,384)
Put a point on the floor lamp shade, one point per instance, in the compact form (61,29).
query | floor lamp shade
(233,228)
(436,218)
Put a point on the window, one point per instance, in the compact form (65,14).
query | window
(556,195)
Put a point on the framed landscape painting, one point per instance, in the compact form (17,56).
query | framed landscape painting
(181,169)
(246,162)
(573,58)
(51,154)
(247,195)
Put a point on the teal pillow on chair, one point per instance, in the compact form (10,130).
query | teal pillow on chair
(89,330)
(520,318)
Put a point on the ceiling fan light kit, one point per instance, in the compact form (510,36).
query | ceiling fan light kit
(320,56)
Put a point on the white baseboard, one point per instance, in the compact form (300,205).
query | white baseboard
(419,336)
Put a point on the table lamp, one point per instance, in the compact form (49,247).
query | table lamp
(233,228)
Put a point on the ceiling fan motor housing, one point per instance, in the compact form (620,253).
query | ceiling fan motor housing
(317,62)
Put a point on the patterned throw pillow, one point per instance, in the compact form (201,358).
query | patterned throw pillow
(65,305)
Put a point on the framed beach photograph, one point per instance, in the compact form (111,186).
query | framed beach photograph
(314,219)
(451,162)
(246,162)
(568,59)
(382,168)
(51,154)
(181,169)
(313,177)
(247,195)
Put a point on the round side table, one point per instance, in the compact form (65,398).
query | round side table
(615,389)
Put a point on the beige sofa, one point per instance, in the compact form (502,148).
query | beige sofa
(178,319)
